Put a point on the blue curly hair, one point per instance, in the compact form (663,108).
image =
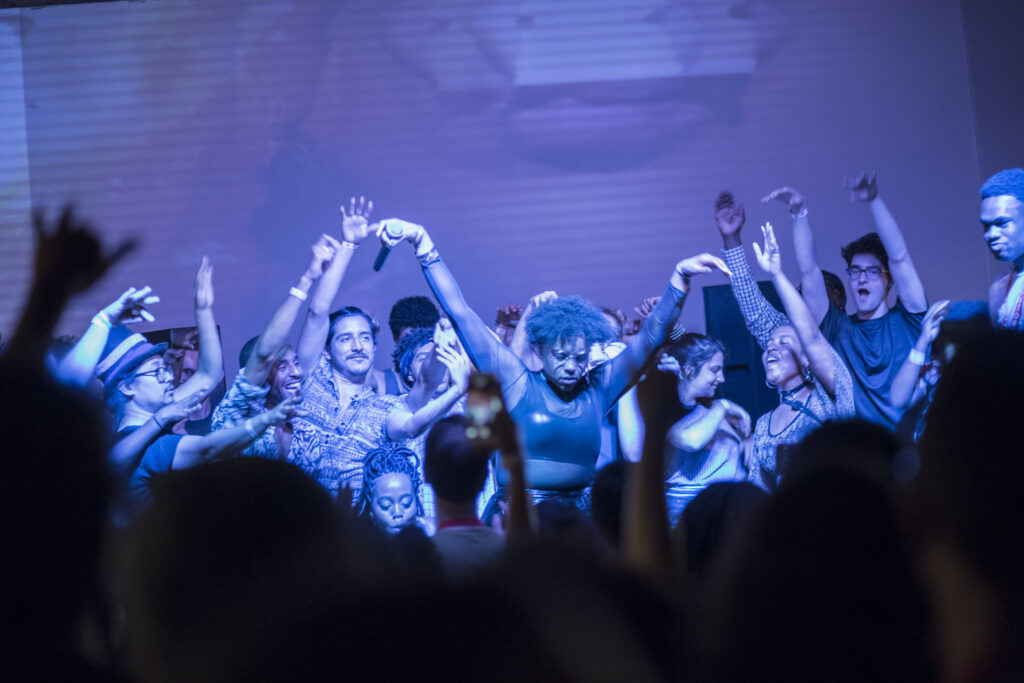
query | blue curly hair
(389,460)
(566,318)
(1009,181)
(405,351)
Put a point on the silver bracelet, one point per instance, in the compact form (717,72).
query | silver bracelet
(430,257)
(802,213)
(349,245)
(297,293)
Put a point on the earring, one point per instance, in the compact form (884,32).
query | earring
(807,375)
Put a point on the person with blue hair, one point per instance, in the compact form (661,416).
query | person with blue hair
(558,408)
(1002,217)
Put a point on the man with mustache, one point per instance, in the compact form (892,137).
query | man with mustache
(344,417)
(1002,219)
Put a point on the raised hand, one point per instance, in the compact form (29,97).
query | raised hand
(646,306)
(70,254)
(794,199)
(729,215)
(701,263)
(180,408)
(508,315)
(130,307)
(355,223)
(769,259)
(933,320)
(669,363)
(695,265)
(444,335)
(284,411)
(457,362)
(324,250)
(537,300)
(203,291)
(408,232)
(863,188)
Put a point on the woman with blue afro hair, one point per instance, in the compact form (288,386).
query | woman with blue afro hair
(560,407)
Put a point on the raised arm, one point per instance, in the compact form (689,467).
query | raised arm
(816,347)
(485,350)
(812,282)
(405,425)
(194,450)
(864,188)
(69,259)
(210,367)
(903,392)
(624,368)
(79,364)
(257,369)
(127,452)
(759,315)
(520,342)
(355,226)
(645,529)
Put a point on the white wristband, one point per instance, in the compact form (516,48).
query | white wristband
(349,245)
(297,293)
(916,357)
(801,213)
(102,320)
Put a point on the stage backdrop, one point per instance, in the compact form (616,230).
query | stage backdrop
(573,145)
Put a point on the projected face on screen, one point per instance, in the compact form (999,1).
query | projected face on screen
(607,80)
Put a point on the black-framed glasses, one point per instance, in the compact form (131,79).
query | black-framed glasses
(871,272)
(161,373)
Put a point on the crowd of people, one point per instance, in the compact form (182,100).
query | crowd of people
(561,495)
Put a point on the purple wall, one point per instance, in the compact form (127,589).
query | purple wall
(564,145)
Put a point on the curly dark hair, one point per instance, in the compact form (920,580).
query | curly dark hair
(412,312)
(1009,181)
(566,318)
(870,243)
(389,460)
(405,351)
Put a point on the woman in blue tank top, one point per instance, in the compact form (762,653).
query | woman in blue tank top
(558,408)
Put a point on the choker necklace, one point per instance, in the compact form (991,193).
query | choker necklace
(788,393)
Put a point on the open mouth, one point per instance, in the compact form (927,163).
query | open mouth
(863,291)
(292,386)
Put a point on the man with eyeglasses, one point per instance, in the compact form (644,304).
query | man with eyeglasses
(877,338)
(1002,219)
(139,392)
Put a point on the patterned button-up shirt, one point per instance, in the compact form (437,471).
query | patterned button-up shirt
(245,400)
(330,442)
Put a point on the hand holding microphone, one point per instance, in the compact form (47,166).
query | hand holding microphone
(391,232)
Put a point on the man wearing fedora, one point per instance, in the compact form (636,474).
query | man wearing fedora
(138,390)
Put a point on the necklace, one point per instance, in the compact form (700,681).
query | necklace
(787,393)
(784,395)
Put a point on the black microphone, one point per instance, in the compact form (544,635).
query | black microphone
(394,231)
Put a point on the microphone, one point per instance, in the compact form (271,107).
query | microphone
(394,231)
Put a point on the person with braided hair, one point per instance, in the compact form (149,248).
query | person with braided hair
(390,493)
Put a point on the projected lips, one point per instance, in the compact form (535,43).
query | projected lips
(600,78)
